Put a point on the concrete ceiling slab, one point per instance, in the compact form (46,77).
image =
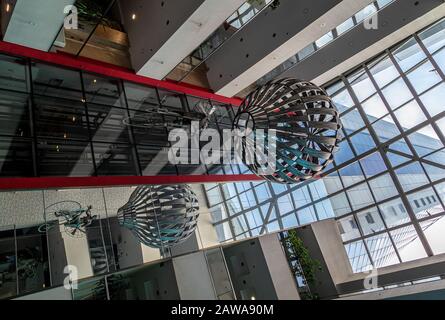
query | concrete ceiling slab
(163,33)
(334,60)
(272,38)
(35,24)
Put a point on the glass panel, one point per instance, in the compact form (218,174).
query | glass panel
(409,54)
(340,204)
(360,196)
(141,97)
(56,82)
(397,94)
(324,210)
(352,121)
(214,197)
(394,213)
(440,59)
(107,124)
(16,157)
(405,115)
(351,174)
(60,119)
(408,244)
(285,204)
(101,90)
(362,142)
(13,73)
(386,129)
(114,159)
(411,176)
(358,257)
(424,77)
(289,221)
(32,260)
(374,108)
(383,187)
(345,26)
(434,37)
(172,99)
(433,230)
(384,72)
(382,251)
(301,197)
(306,215)
(434,99)
(343,100)
(425,203)
(344,153)
(370,221)
(362,86)
(14,114)
(64,158)
(373,164)
(425,141)
(348,228)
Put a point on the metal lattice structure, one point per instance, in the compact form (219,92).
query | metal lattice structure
(307,129)
(161,216)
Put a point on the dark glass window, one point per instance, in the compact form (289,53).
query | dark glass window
(60,118)
(114,159)
(14,114)
(108,124)
(56,82)
(172,99)
(101,90)
(13,73)
(141,97)
(64,158)
(16,157)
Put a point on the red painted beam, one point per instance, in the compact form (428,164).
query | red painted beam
(97,67)
(111,181)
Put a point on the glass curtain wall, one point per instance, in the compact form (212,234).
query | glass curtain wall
(386,187)
(63,122)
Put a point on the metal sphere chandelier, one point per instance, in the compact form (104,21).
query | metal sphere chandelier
(161,216)
(307,128)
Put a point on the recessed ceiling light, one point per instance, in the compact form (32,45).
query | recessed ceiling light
(8,7)
(133,16)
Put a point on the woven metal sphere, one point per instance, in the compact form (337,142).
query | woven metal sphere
(161,216)
(307,128)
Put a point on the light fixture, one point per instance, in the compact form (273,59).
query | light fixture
(133,17)
(8,7)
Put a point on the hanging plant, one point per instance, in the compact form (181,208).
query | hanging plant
(308,265)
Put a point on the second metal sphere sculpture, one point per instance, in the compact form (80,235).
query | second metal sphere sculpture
(161,216)
(307,128)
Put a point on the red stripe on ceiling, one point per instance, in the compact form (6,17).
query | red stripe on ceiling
(92,182)
(93,66)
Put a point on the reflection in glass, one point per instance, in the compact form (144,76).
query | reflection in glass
(358,256)
(408,244)
(12,73)
(56,82)
(382,251)
(433,230)
(394,213)
(425,203)
(14,114)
